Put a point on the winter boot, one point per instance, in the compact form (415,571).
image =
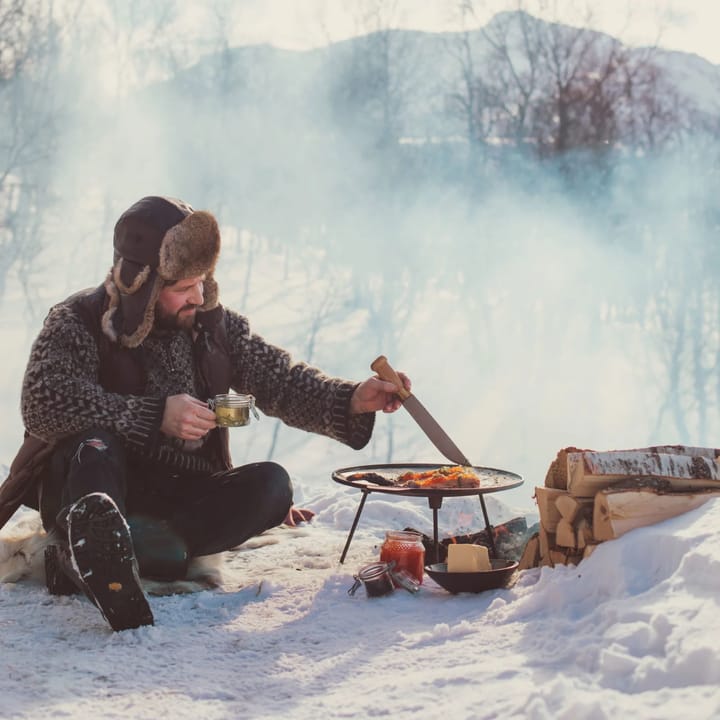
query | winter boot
(60,576)
(101,551)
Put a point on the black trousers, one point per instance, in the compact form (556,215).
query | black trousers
(171,517)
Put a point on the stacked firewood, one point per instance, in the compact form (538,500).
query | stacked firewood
(590,496)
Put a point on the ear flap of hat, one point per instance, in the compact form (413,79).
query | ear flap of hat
(210,293)
(133,291)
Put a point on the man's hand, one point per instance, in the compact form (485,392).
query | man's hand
(375,394)
(297,515)
(187,418)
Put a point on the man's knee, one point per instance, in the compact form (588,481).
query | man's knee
(95,444)
(90,461)
(278,484)
(272,489)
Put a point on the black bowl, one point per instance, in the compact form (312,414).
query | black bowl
(473,582)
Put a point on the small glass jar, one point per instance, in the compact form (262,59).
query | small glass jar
(406,550)
(233,410)
(376,578)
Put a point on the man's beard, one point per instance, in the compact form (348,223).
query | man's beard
(169,321)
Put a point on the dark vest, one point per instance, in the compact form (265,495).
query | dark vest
(122,370)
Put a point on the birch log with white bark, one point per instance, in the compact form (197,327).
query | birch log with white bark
(621,464)
(589,472)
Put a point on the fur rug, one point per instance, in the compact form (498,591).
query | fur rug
(22,557)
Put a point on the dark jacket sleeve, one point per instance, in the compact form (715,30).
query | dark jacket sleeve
(300,395)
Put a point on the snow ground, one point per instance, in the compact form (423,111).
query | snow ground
(632,630)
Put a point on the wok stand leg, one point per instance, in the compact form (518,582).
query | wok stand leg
(354,525)
(435,502)
(488,527)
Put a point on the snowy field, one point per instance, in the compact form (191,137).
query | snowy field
(631,632)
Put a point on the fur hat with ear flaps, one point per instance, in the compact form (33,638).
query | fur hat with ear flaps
(157,241)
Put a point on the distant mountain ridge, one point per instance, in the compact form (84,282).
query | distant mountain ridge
(424,71)
(312,131)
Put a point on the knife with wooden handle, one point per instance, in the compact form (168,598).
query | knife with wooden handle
(422,417)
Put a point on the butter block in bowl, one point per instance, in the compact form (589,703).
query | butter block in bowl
(468,558)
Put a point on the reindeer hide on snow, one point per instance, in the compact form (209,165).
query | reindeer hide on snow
(22,557)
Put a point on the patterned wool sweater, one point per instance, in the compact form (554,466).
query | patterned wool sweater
(62,395)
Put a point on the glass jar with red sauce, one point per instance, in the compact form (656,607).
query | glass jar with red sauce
(406,550)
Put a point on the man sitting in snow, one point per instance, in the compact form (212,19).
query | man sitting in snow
(123,457)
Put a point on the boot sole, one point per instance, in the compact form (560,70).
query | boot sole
(102,554)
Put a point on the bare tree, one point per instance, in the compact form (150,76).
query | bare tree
(473,100)
(514,72)
(29,47)
(371,84)
(681,316)
(580,80)
(323,309)
(555,87)
(140,36)
(656,116)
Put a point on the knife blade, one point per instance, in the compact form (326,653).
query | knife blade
(428,424)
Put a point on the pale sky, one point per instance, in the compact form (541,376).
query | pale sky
(689,25)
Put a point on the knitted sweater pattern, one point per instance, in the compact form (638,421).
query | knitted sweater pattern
(62,395)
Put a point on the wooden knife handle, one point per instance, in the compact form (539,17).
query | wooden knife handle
(385,371)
